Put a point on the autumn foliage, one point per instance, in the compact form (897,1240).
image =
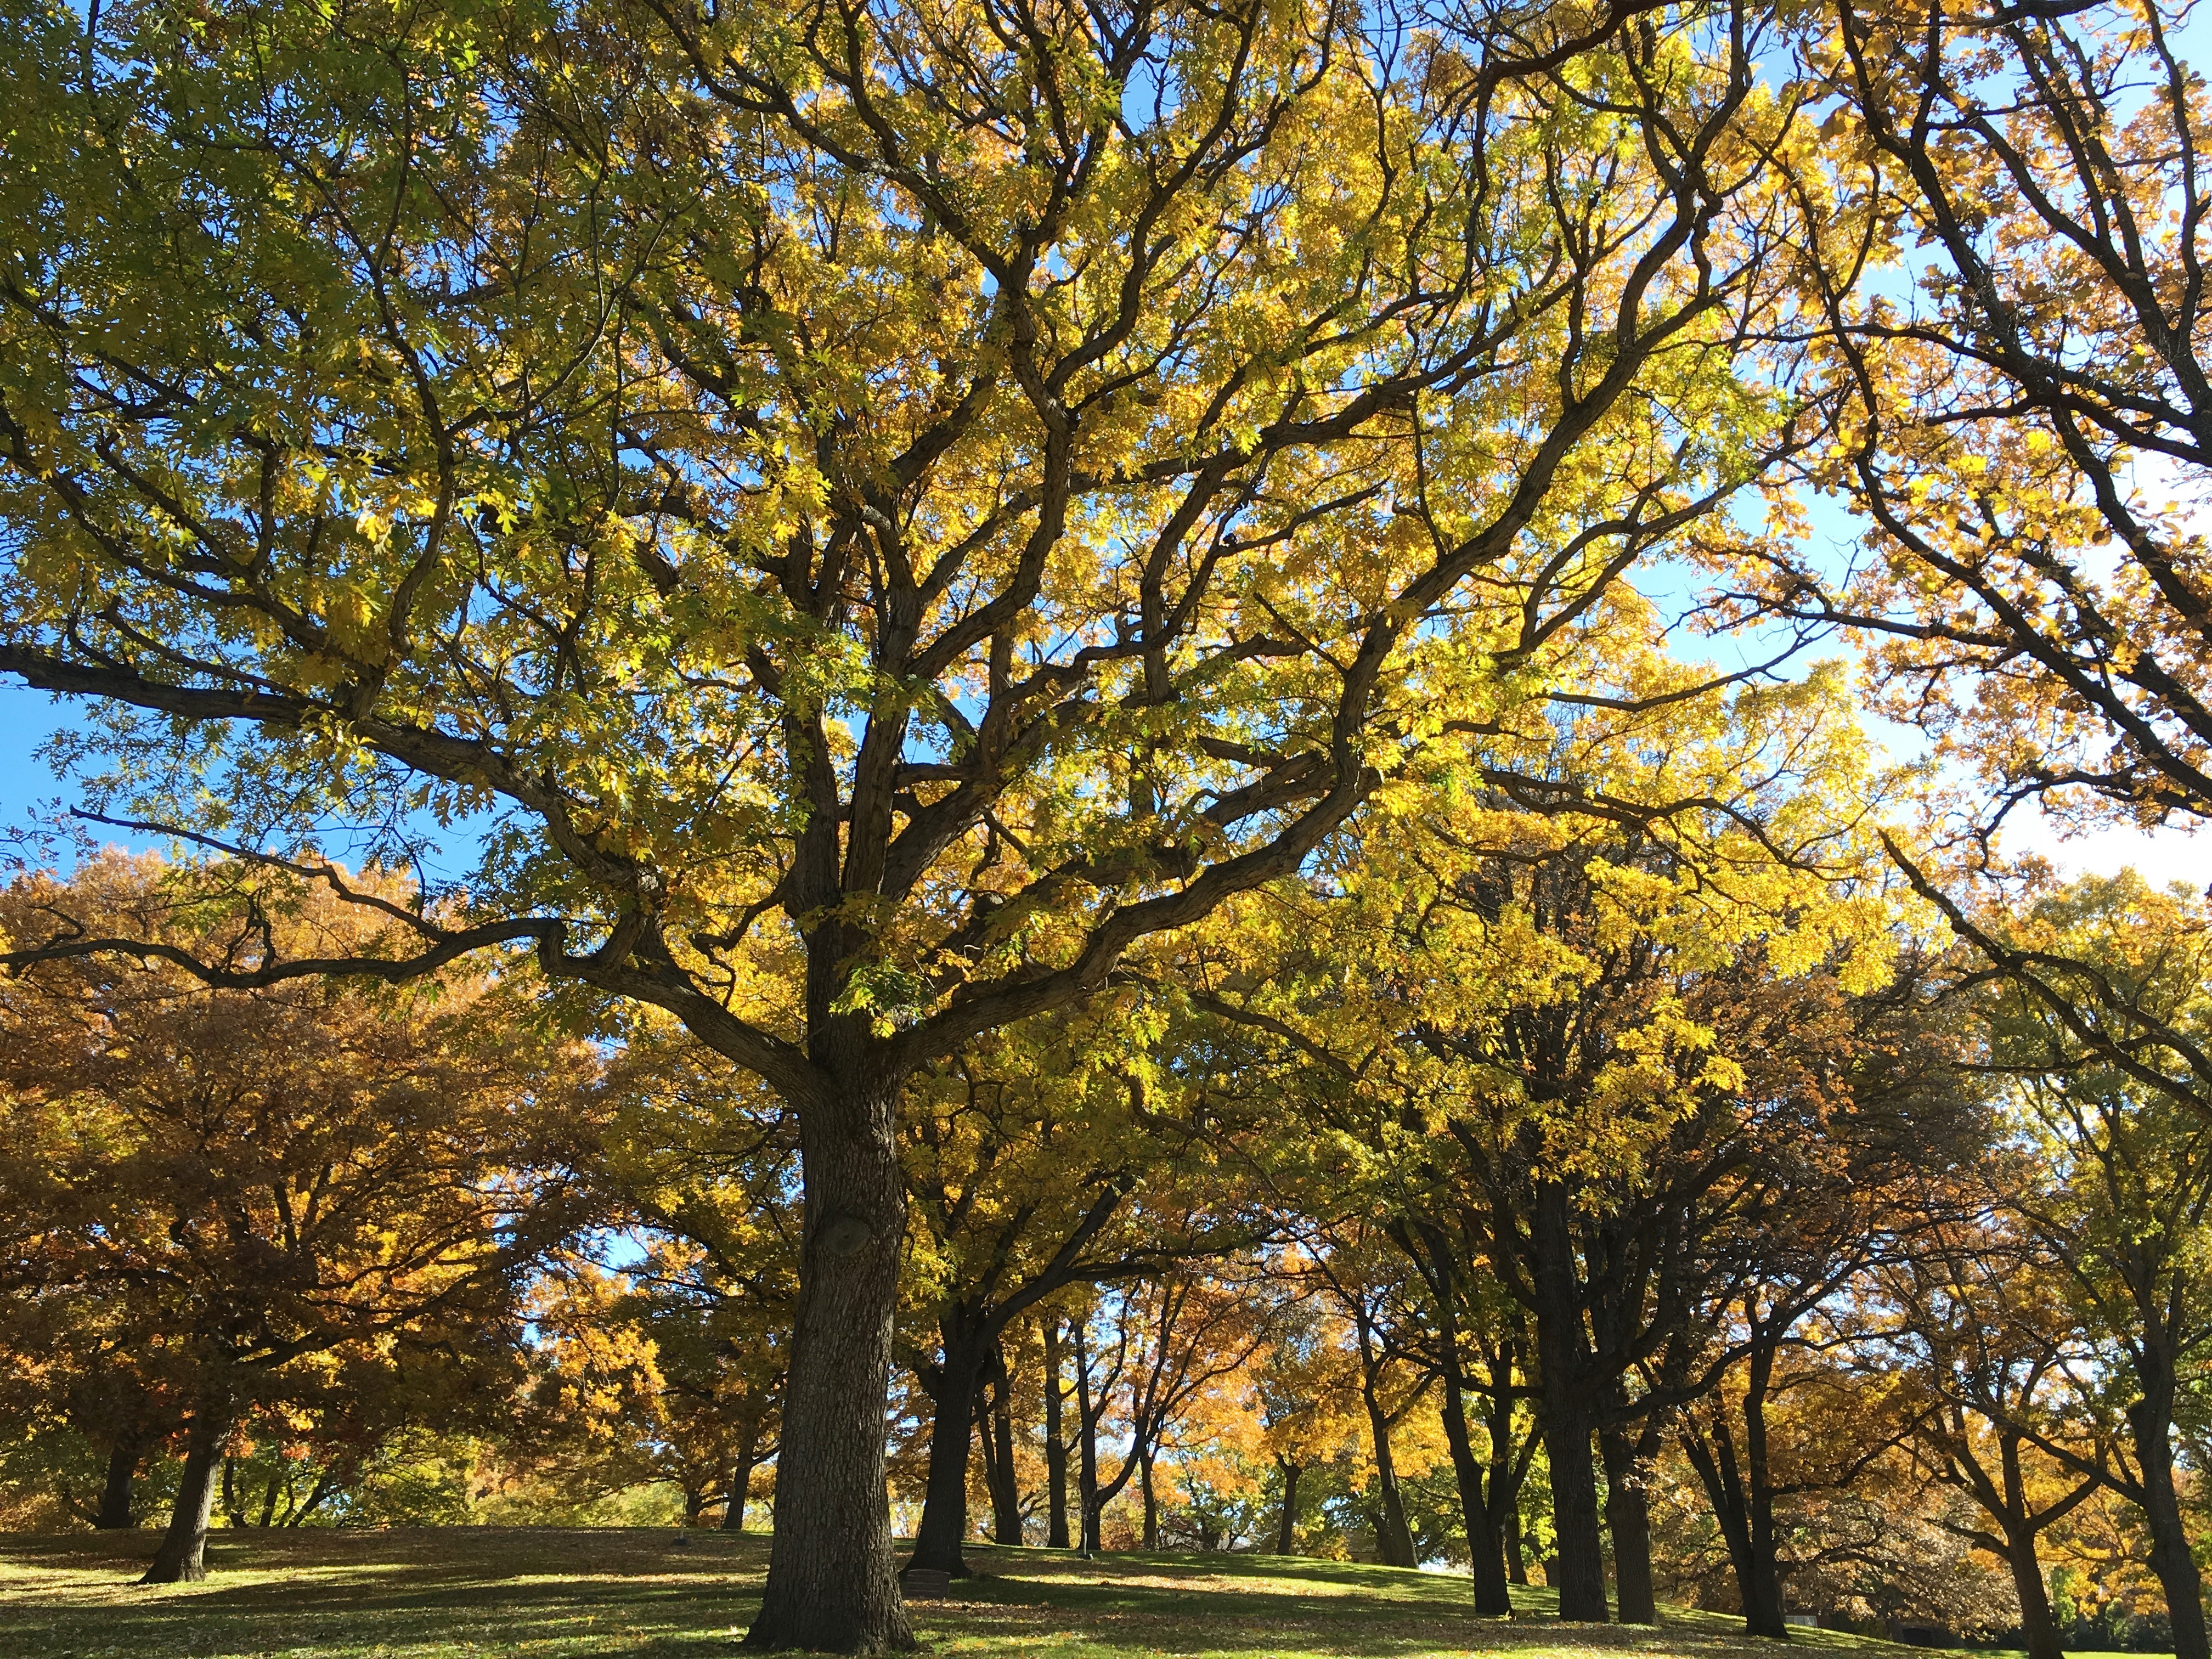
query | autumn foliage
(1161,751)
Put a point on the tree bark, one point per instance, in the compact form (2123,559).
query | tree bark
(1286,1531)
(114,1513)
(1762,1611)
(944,1526)
(1486,1549)
(1628,1517)
(1055,1443)
(2039,1628)
(1501,1500)
(2151,1419)
(182,1557)
(1580,1546)
(832,1581)
(1715,1462)
(1564,1411)
(1746,1526)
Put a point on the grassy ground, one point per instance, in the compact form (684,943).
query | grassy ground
(552,1594)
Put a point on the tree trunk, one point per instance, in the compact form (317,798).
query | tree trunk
(1056,1444)
(1628,1517)
(1086,1435)
(733,1507)
(1286,1532)
(944,1507)
(182,1557)
(741,1477)
(2151,1418)
(2039,1629)
(1394,1540)
(1151,1501)
(1501,1501)
(1486,1549)
(1717,1472)
(1580,1578)
(1564,1411)
(1763,1609)
(832,1581)
(1006,1488)
(114,1512)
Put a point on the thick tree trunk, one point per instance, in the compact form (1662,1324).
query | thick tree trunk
(944,1506)
(114,1513)
(1628,1517)
(1056,1444)
(832,1581)
(182,1557)
(1762,1611)
(1516,1560)
(2039,1629)
(1762,1607)
(1563,1410)
(2151,1418)
(1580,1578)
(1286,1530)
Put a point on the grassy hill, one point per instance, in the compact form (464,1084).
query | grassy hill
(555,1594)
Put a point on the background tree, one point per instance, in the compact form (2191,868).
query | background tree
(257,1179)
(1066,1152)
(1538,1028)
(1992,1334)
(2122,1208)
(1306,1391)
(700,1163)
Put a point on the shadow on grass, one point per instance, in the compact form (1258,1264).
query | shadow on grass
(612,1594)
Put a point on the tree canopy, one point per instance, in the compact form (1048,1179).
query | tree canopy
(1148,730)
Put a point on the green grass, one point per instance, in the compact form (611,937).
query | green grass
(555,1594)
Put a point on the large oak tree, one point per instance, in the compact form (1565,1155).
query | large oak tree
(884,505)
